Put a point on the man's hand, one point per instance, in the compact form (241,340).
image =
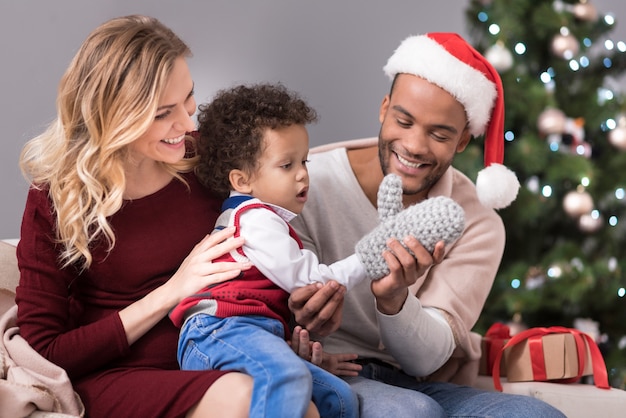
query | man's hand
(338,364)
(392,290)
(430,221)
(318,307)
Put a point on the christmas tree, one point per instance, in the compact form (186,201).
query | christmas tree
(565,259)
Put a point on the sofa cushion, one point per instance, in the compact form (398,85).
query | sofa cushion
(9,274)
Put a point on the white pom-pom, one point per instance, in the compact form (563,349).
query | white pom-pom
(497,186)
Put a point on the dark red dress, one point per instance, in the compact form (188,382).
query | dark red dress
(71,317)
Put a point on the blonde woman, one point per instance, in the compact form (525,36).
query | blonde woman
(114,230)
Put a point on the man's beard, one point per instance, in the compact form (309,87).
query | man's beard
(384,155)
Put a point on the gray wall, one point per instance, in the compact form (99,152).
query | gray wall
(331,51)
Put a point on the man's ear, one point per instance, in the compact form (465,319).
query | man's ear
(384,106)
(465,139)
(239,181)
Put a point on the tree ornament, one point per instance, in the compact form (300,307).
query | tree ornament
(589,223)
(617,135)
(565,45)
(551,121)
(499,56)
(577,203)
(585,11)
(571,138)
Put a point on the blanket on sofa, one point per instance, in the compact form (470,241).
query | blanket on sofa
(30,385)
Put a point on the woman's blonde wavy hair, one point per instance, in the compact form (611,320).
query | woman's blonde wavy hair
(107,98)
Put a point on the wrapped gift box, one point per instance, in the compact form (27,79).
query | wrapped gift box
(559,359)
(554,354)
(491,344)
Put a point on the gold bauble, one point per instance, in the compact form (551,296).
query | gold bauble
(500,57)
(577,203)
(565,46)
(588,223)
(617,135)
(585,11)
(551,121)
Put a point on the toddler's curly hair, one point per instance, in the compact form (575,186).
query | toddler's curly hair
(231,129)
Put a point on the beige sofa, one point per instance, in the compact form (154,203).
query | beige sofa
(575,400)
(9,274)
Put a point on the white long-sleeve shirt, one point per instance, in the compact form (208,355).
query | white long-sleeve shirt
(278,256)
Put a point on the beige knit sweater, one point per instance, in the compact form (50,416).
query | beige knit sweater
(338,214)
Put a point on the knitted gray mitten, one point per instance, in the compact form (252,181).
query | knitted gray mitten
(433,220)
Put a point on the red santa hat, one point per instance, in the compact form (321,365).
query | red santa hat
(447,60)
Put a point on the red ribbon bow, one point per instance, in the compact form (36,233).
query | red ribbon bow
(534,335)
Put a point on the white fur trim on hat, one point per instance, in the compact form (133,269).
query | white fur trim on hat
(425,58)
